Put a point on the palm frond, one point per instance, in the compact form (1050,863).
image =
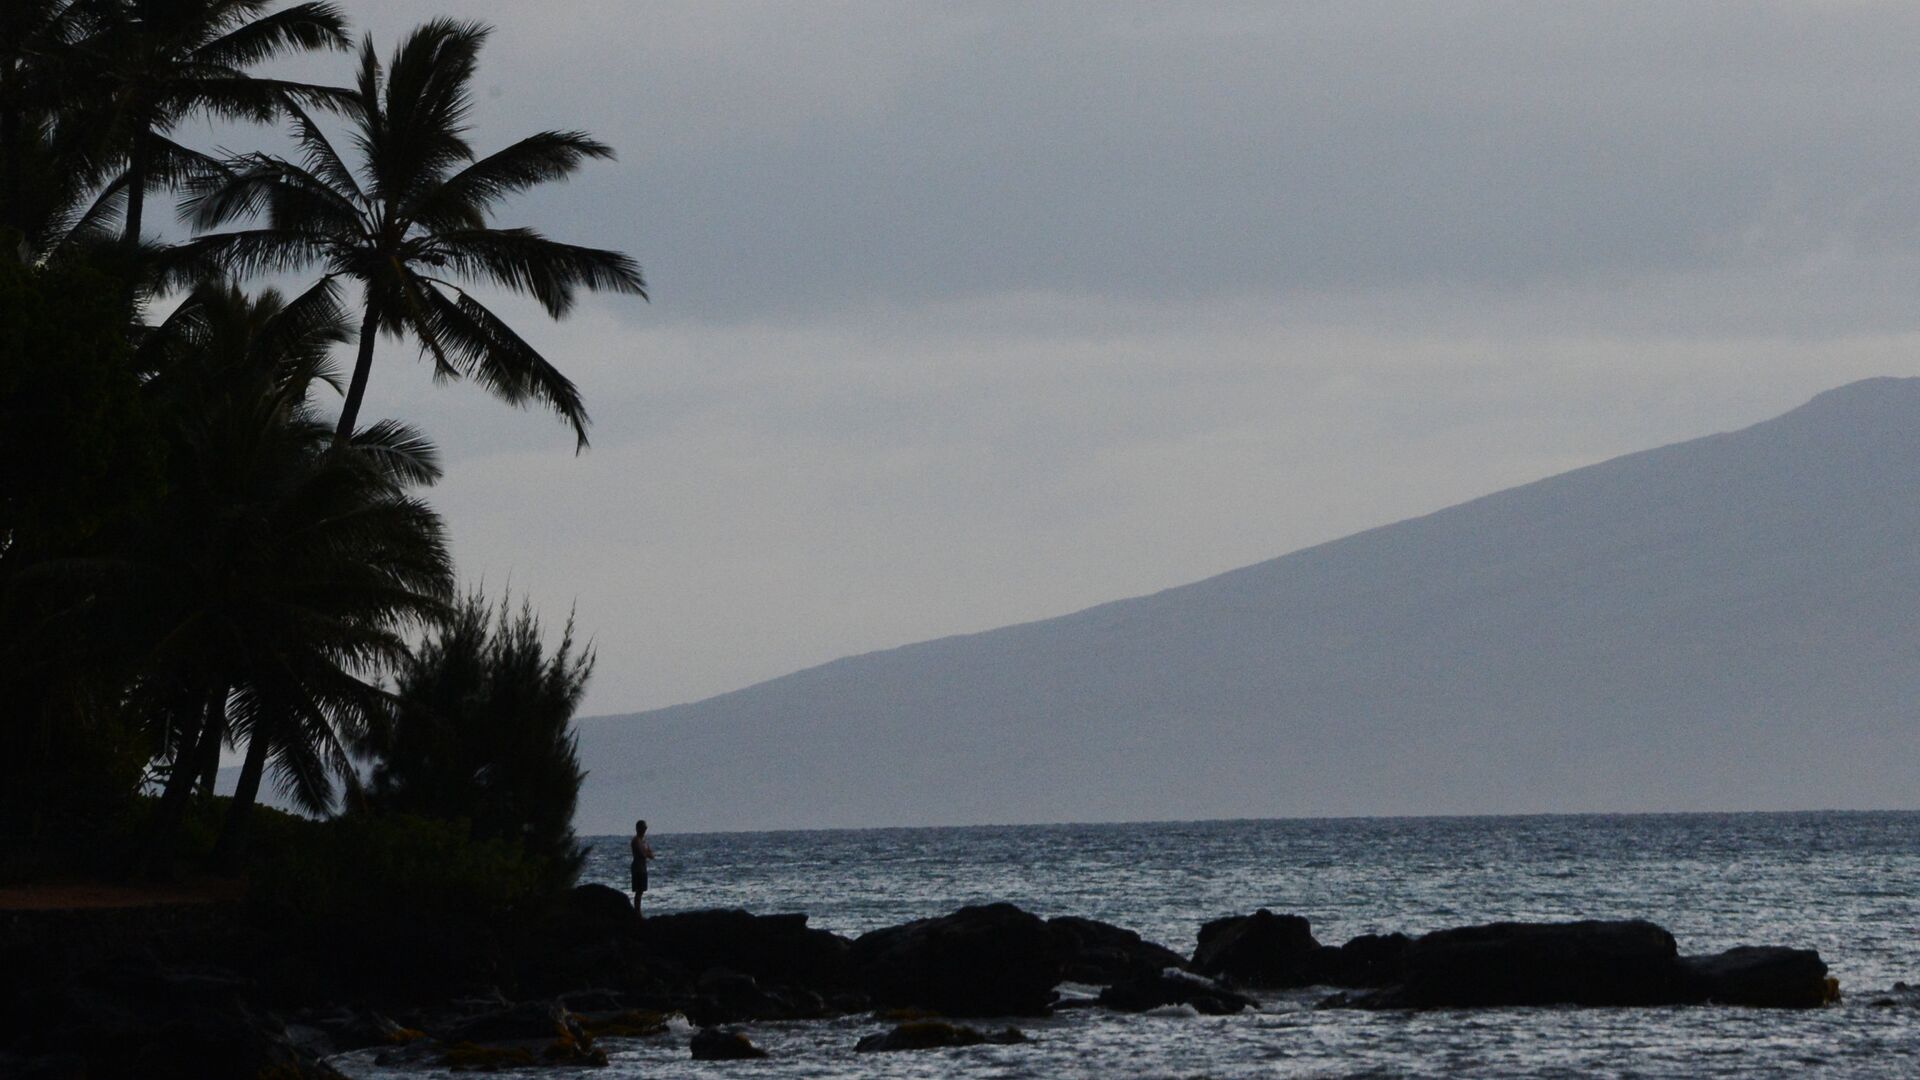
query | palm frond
(525,261)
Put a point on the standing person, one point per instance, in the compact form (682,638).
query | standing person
(642,851)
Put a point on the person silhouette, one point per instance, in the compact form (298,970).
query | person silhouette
(642,851)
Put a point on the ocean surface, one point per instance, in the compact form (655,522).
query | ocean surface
(1847,884)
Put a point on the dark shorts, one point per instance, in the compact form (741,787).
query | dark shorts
(639,879)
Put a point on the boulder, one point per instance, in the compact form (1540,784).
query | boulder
(987,960)
(1101,953)
(1762,975)
(1578,963)
(599,905)
(1261,949)
(770,948)
(722,1044)
(1174,987)
(934,1034)
(1367,960)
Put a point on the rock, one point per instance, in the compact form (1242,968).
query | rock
(987,960)
(1576,963)
(1262,949)
(1174,987)
(778,949)
(601,904)
(723,1044)
(528,1020)
(1101,953)
(934,1034)
(1367,960)
(1768,976)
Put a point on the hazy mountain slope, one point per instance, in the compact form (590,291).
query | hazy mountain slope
(1730,622)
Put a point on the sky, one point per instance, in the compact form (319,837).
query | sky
(965,315)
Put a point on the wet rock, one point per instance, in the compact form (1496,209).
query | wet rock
(1578,963)
(988,960)
(1100,953)
(935,1034)
(723,1044)
(1174,987)
(1768,976)
(1262,949)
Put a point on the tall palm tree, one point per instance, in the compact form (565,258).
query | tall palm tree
(282,573)
(151,63)
(416,210)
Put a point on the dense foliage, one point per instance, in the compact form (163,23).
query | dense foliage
(481,732)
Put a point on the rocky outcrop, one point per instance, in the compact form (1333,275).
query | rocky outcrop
(1261,949)
(988,960)
(935,1034)
(1174,987)
(1632,962)
(1101,953)
(773,949)
(1761,975)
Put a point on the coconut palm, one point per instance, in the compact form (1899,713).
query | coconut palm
(281,574)
(413,222)
(142,66)
(45,183)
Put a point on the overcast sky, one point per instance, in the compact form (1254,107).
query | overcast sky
(966,315)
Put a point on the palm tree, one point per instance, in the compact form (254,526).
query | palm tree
(46,181)
(281,573)
(416,210)
(150,63)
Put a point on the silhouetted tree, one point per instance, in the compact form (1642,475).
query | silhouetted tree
(482,731)
(280,574)
(141,66)
(416,210)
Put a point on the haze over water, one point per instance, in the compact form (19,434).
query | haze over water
(1847,884)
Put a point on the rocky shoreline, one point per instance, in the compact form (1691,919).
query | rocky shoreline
(206,992)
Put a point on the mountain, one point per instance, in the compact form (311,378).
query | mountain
(1727,623)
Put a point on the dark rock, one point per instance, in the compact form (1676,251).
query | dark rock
(1261,949)
(1578,963)
(591,1001)
(1768,976)
(1367,960)
(528,1020)
(599,904)
(723,1044)
(935,1034)
(1174,987)
(988,960)
(1101,953)
(771,948)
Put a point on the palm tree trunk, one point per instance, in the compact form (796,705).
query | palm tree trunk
(233,833)
(156,855)
(357,388)
(136,189)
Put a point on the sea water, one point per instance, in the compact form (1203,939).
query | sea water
(1847,884)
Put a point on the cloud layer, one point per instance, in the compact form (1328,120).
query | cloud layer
(971,314)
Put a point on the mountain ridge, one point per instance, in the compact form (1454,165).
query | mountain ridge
(1363,674)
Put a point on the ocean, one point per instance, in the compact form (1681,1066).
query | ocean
(1847,884)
